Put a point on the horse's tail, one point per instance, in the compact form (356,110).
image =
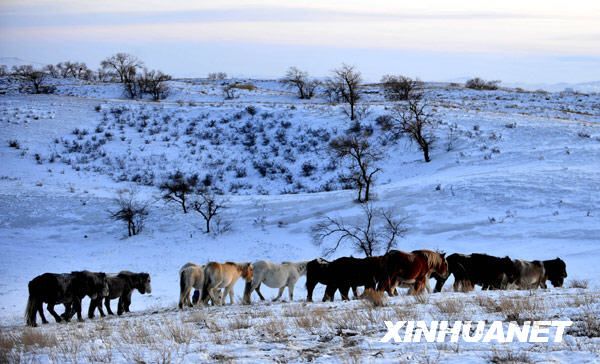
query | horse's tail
(207,281)
(30,310)
(182,287)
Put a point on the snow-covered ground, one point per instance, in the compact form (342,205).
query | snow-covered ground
(520,178)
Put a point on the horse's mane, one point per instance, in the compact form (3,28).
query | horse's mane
(434,259)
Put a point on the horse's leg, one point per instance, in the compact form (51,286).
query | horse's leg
(291,291)
(230,288)
(121,306)
(40,309)
(50,308)
(77,307)
(92,308)
(355,292)
(329,293)
(99,307)
(262,298)
(279,294)
(107,305)
(128,301)
(344,292)
(310,287)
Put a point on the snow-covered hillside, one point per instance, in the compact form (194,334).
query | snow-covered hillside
(512,173)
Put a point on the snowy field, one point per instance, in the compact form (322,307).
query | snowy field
(512,173)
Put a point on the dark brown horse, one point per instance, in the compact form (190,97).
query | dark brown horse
(348,272)
(555,271)
(411,269)
(67,289)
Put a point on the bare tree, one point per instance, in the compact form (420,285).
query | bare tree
(399,88)
(418,123)
(52,71)
(131,211)
(177,187)
(298,79)
(208,205)
(124,65)
(344,85)
(154,83)
(32,80)
(481,84)
(229,91)
(376,233)
(3,70)
(217,76)
(363,156)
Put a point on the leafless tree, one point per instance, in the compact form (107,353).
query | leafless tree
(52,71)
(363,157)
(481,84)
(229,91)
(299,80)
(131,211)
(217,76)
(344,85)
(208,205)
(104,75)
(178,187)
(154,83)
(124,65)
(3,70)
(418,123)
(32,80)
(399,88)
(376,233)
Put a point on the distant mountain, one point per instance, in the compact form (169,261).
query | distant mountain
(15,61)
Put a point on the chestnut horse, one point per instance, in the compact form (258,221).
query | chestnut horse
(412,269)
(223,275)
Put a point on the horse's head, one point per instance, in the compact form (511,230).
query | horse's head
(247,271)
(557,272)
(143,285)
(510,269)
(442,267)
(301,267)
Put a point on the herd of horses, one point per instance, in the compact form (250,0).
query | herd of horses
(213,282)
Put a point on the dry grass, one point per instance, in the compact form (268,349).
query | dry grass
(510,357)
(487,303)
(244,86)
(240,323)
(522,309)
(373,298)
(274,328)
(579,283)
(179,332)
(452,308)
(32,337)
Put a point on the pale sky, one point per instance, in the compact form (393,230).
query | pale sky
(515,41)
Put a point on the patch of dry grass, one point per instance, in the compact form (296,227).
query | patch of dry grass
(579,283)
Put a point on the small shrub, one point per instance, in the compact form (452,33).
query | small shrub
(14,144)
(480,84)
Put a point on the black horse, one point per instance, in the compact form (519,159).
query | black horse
(555,272)
(121,286)
(485,270)
(349,272)
(67,289)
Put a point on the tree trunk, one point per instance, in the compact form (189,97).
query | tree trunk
(352,111)
(367,190)
(207,226)
(426,152)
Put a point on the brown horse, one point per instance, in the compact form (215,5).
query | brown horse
(223,275)
(412,268)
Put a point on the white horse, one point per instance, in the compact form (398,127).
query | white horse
(274,275)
